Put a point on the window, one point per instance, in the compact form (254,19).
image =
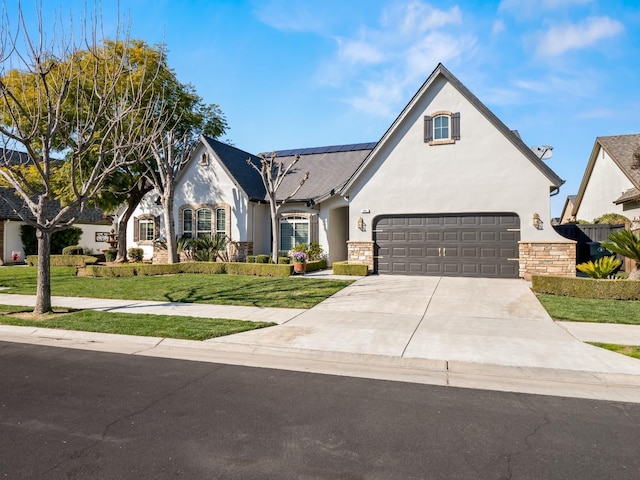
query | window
(187,223)
(203,223)
(293,230)
(204,159)
(146,228)
(442,127)
(221,222)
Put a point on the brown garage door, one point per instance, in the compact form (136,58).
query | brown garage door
(468,245)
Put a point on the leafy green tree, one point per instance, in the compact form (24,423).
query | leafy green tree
(627,244)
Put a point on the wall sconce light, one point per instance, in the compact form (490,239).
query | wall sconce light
(361,225)
(537,223)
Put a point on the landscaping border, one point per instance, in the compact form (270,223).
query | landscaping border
(587,287)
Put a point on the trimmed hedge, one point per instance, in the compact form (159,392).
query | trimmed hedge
(159,269)
(73,250)
(259,269)
(316,265)
(64,260)
(346,268)
(586,287)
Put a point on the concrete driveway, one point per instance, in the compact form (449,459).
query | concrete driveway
(495,322)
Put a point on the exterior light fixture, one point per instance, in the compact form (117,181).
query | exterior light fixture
(361,226)
(537,222)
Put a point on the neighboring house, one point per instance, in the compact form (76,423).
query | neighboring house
(94,224)
(611,181)
(567,215)
(448,190)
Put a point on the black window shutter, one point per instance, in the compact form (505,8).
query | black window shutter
(455,126)
(156,227)
(428,129)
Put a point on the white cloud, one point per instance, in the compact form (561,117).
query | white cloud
(561,38)
(497,28)
(420,17)
(358,51)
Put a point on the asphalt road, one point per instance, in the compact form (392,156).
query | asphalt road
(72,414)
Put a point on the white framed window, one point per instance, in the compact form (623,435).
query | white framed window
(293,230)
(221,222)
(441,128)
(203,222)
(187,223)
(146,228)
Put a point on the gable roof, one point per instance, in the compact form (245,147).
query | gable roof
(621,149)
(329,169)
(234,161)
(512,135)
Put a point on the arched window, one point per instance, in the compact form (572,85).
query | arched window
(187,223)
(221,222)
(441,127)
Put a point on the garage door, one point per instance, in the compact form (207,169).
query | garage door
(469,245)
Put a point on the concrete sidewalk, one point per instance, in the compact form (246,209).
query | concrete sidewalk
(475,333)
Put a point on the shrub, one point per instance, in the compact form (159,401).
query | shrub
(611,219)
(316,265)
(251,259)
(284,260)
(158,269)
(59,239)
(315,251)
(258,269)
(110,254)
(73,250)
(625,243)
(601,268)
(586,287)
(346,268)
(64,260)
(262,258)
(136,254)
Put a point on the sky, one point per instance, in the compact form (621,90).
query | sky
(306,73)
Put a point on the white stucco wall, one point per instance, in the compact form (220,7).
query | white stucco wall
(606,183)
(199,185)
(481,172)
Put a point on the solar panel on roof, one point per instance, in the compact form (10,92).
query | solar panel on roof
(352,147)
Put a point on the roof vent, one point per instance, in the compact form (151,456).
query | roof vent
(636,158)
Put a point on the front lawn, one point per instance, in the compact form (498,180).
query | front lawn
(188,288)
(591,310)
(164,326)
(630,351)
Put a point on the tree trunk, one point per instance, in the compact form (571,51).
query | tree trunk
(274,228)
(169,227)
(135,197)
(43,293)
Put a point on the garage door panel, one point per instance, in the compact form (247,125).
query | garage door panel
(456,245)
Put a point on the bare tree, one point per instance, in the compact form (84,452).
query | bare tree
(169,156)
(77,113)
(272,172)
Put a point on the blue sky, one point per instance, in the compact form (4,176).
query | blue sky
(303,73)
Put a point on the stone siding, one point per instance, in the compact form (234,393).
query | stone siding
(547,258)
(361,253)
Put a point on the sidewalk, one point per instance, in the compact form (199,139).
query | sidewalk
(473,333)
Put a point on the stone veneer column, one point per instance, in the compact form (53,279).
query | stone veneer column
(361,253)
(547,258)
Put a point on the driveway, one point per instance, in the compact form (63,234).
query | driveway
(485,321)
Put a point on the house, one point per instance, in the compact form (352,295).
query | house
(611,181)
(567,210)
(94,224)
(448,190)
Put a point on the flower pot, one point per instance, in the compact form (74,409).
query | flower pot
(299,267)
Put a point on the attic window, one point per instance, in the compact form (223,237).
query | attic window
(204,159)
(636,158)
(441,127)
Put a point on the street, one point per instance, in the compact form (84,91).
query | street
(89,415)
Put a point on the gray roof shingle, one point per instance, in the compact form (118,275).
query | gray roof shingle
(621,148)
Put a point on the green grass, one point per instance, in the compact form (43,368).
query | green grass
(630,351)
(591,310)
(190,288)
(165,326)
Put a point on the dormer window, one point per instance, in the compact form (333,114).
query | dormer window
(441,128)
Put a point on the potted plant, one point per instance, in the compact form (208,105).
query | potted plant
(299,262)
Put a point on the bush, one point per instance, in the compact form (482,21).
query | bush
(135,254)
(251,259)
(601,268)
(316,265)
(611,219)
(284,260)
(315,251)
(262,258)
(258,269)
(158,269)
(586,287)
(346,268)
(110,254)
(73,250)
(64,260)
(59,239)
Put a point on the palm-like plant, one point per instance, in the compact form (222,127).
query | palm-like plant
(601,268)
(625,243)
